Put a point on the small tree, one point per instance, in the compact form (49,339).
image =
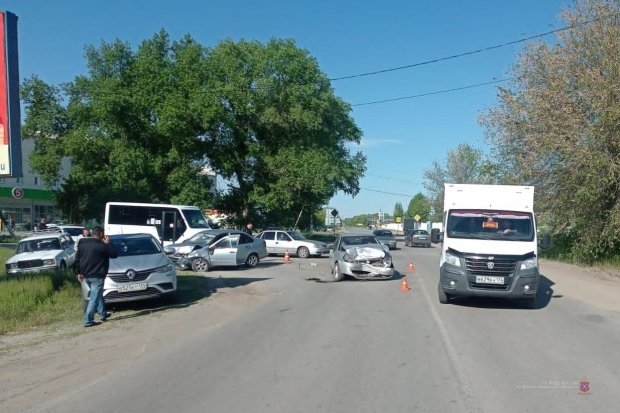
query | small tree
(398,210)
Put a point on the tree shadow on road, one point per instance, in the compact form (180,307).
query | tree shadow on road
(544,296)
(190,289)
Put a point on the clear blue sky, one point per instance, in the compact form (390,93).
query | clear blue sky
(400,138)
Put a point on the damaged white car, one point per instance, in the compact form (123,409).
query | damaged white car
(360,256)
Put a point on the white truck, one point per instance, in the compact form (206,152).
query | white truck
(490,243)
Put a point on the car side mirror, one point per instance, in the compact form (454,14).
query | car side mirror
(545,242)
(330,246)
(435,235)
(211,250)
(169,250)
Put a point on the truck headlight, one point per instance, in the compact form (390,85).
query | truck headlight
(529,264)
(453,259)
(49,262)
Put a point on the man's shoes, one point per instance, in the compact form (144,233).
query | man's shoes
(106,316)
(93,324)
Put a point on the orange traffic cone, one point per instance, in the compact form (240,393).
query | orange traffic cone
(404,286)
(286,257)
(411,266)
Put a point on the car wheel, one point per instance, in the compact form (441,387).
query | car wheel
(443,297)
(337,275)
(200,265)
(251,261)
(303,252)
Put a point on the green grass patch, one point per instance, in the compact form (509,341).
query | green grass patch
(32,301)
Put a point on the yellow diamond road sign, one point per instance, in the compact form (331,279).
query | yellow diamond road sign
(417,217)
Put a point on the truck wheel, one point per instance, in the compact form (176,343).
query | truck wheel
(530,303)
(443,297)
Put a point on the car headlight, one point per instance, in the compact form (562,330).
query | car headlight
(347,258)
(49,262)
(453,259)
(185,249)
(388,259)
(529,264)
(165,268)
(13,266)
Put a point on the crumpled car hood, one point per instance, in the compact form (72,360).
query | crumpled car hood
(366,252)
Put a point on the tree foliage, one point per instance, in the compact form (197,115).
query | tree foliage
(462,165)
(557,127)
(419,205)
(129,126)
(398,210)
(276,128)
(141,125)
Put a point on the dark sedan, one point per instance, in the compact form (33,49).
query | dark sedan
(418,237)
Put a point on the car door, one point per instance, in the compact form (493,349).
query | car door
(284,242)
(68,247)
(222,253)
(270,241)
(245,247)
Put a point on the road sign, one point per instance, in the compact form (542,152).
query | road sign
(334,212)
(417,217)
(398,220)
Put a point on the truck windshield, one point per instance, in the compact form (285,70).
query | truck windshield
(488,224)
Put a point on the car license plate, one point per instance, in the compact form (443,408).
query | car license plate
(422,238)
(131,287)
(489,280)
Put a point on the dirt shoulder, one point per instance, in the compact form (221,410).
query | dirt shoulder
(52,362)
(594,286)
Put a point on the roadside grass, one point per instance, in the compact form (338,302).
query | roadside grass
(29,302)
(561,251)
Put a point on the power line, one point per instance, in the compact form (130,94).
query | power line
(442,59)
(388,193)
(375,102)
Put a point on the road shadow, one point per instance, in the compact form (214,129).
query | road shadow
(543,298)
(190,290)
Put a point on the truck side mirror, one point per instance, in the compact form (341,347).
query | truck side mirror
(435,235)
(545,242)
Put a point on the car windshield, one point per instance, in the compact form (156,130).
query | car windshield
(383,233)
(195,219)
(486,224)
(358,240)
(203,237)
(131,246)
(420,232)
(42,244)
(295,235)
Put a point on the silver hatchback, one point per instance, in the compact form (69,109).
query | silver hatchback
(141,271)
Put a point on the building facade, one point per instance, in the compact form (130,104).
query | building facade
(26,200)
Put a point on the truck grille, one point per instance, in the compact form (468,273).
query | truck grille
(501,268)
(30,264)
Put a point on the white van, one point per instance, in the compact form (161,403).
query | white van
(168,223)
(490,243)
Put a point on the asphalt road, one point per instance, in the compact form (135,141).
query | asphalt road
(357,347)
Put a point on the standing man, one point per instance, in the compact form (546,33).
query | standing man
(248,229)
(92,261)
(42,226)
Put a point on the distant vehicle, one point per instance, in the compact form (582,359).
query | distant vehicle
(279,242)
(418,237)
(361,256)
(386,237)
(167,223)
(74,230)
(224,248)
(490,246)
(142,271)
(410,224)
(42,251)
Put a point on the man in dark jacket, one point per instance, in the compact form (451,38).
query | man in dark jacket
(92,261)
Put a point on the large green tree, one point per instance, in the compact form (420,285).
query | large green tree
(419,205)
(462,165)
(130,126)
(557,127)
(277,130)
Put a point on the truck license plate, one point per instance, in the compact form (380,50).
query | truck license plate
(489,280)
(131,287)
